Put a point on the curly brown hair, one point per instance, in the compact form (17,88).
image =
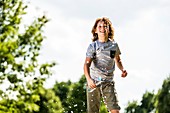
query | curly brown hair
(107,22)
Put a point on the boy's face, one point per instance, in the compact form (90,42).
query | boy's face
(102,29)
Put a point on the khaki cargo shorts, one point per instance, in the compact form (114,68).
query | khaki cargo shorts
(107,91)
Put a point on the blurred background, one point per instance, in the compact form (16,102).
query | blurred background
(141,30)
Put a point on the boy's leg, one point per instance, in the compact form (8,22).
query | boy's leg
(114,111)
(93,101)
(109,95)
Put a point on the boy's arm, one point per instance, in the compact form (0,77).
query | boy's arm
(87,72)
(120,66)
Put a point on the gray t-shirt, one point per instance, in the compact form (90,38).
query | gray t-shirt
(103,64)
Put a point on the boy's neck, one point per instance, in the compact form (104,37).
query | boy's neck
(103,39)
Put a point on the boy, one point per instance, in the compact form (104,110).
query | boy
(99,66)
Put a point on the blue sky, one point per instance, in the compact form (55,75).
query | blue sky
(141,30)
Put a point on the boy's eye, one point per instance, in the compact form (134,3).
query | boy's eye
(106,27)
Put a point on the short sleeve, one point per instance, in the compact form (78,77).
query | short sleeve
(90,51)
(118,52)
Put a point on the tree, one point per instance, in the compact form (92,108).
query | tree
(49,102)
(72,95)
(103,108)
(162,103)
(132,107)
(147,103)
(145,106)
(61,90)
(76,98)
(19,66)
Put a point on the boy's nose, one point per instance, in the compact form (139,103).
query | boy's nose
(102,28)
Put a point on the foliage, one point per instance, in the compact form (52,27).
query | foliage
(61,90)
(103,108)
(76,98)
(19,66)
(72,95)
(163,98)
(146,106)
(132,106)
(49,102)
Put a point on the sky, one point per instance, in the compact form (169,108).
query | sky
(141,30)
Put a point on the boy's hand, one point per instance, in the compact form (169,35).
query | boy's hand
(124,73)
(91,84)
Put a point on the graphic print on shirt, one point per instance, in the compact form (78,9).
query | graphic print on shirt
(103,61)
(103,64)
